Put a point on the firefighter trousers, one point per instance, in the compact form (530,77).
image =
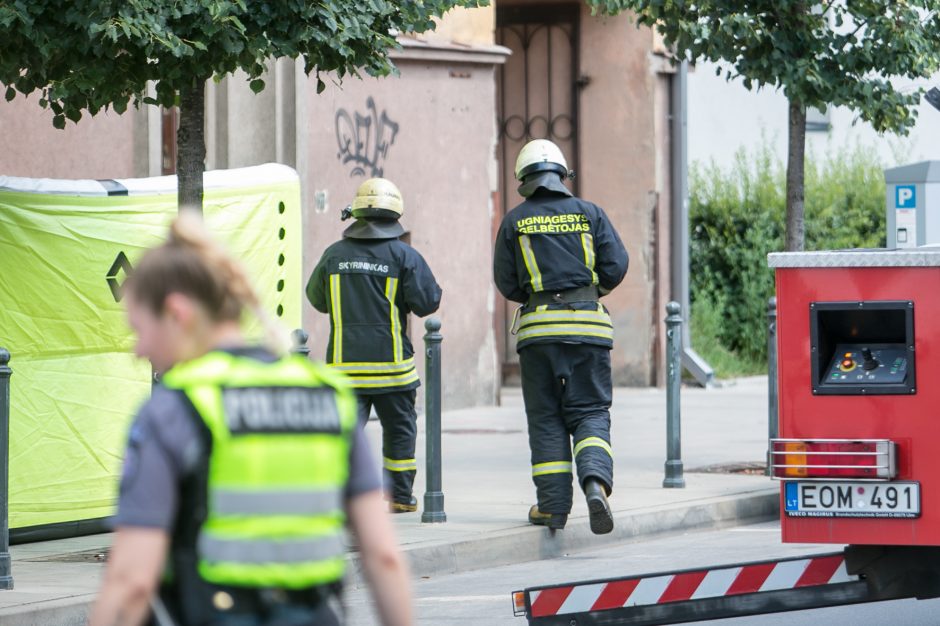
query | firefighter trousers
(396,411)
(567,392)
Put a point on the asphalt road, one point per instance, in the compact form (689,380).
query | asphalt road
(482,597)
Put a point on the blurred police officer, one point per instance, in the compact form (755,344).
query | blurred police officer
(241,469)
(368,282)
(557,254)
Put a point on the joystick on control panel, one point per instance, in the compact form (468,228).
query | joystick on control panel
(870,361)
(867,364)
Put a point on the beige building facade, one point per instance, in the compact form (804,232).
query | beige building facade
(446,130)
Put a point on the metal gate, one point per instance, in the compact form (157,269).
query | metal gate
(538,99)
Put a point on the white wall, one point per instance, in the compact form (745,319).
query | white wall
(724,116)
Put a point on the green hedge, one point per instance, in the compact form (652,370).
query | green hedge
(737,216)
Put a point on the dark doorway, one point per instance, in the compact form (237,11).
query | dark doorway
(537,98)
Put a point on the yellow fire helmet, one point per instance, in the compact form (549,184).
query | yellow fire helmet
(378,197)
(540,155)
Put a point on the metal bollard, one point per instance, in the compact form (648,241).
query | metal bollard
(433,494)
(6,564)
(299,339)
(674,479)
(772,389)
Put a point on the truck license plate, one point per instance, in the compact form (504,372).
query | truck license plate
(852,499)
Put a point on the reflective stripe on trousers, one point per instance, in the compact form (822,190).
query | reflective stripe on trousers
(553,467)
(589,442)
(400,465)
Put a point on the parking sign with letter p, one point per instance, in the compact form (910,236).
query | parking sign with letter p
(905,196)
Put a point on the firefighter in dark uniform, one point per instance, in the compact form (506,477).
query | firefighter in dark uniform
(368,282)
(557,254)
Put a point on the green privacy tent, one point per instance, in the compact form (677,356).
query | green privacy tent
(65,248)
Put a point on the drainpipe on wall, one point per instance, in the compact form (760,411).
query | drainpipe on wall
(679,224)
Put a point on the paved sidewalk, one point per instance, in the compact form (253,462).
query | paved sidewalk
(488,491)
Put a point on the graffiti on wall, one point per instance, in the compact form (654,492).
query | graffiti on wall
(364,140)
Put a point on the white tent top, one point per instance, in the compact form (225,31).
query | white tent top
(266,174)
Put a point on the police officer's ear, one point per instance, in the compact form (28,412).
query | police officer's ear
(181,310)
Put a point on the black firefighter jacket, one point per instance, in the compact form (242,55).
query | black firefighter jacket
(368,287)
(554,242)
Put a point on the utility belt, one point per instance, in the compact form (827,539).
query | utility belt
(567,296)
(200,602)
(260,601)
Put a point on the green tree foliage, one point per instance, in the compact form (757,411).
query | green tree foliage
(735,218)
(88,55)
(819,53)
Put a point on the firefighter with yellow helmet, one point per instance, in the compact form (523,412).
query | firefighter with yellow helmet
(368,282)
(556,254)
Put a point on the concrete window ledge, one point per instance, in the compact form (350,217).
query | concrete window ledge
(448,52)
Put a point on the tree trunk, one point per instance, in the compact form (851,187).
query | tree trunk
(191,146)
(796,155)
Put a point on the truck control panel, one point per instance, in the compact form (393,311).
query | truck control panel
(867,364)
(863,347)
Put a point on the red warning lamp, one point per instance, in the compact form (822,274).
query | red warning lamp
(833,459)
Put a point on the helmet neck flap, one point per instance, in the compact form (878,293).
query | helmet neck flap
(550,181)
(374,228)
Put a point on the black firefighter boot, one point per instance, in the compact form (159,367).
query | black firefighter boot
(602,520)
(403,506)
(555,521)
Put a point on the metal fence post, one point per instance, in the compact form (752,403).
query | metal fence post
(6,564)
(772,389)
(674,477)
(433,494)
(299,339)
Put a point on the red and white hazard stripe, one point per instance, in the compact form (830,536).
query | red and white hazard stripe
(692,585)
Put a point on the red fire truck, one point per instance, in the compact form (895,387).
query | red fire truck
(858,351)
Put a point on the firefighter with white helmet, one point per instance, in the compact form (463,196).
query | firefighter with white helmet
(542,155)
(368,283)
(556,254)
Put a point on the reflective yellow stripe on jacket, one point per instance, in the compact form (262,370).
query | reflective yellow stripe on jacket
(587,243)
(374,375)
(399,372)
(565,322)
(336,311)
(391,289)
(531,265)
